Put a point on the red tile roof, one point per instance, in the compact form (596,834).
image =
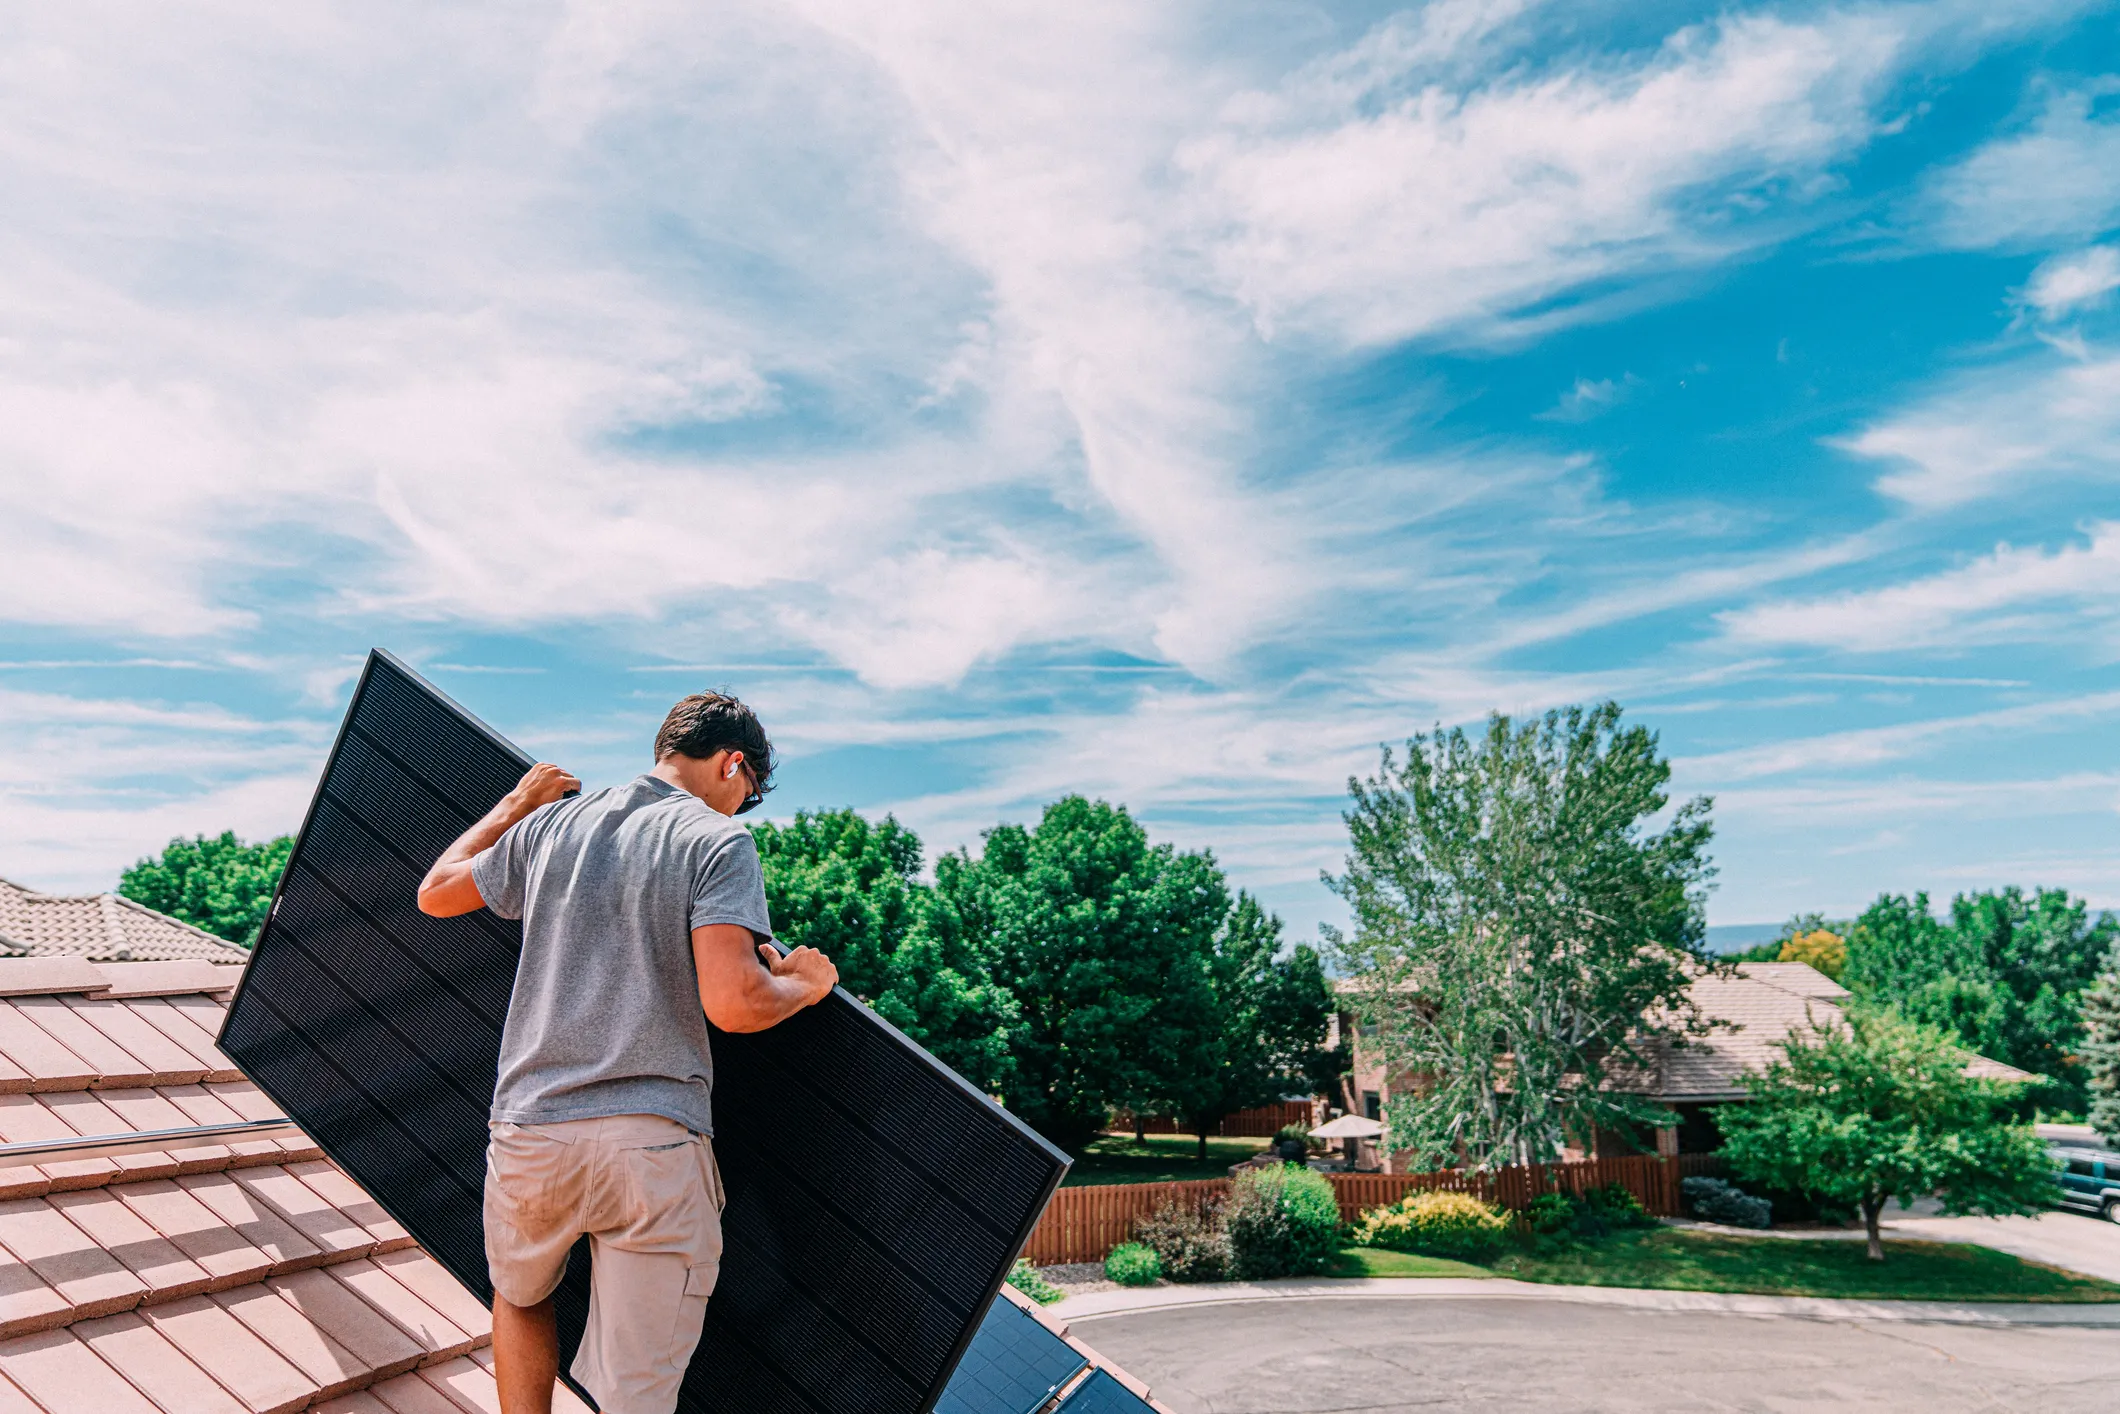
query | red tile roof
(245,1277)
(101,928)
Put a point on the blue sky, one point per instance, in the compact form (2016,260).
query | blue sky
(1166,403)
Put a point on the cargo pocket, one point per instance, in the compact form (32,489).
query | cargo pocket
(692,1313)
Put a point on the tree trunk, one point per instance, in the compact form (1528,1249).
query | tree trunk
(1140,1128)
(1871,1209)
(1203,1143)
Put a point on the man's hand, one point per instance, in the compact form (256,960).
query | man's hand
(738,994)
(449,889)
(541,785)
(805,966)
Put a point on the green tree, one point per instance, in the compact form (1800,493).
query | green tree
(1101,939)
(851,889)
(1883,1108)
(2005,975)
(215,882)
(1519,931)
(2100,1052)
(1264,1030)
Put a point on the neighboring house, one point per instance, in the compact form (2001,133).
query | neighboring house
(101,928)
(1754,1011)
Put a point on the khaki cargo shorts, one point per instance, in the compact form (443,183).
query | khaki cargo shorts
(647,1193)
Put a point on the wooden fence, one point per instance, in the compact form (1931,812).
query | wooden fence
(1083,1224)
(1260,1122)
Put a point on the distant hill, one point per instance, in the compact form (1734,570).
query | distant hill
(1736,937)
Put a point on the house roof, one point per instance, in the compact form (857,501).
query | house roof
(240,1278)
(1760,1005)
(101,928)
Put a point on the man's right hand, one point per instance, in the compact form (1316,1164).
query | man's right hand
(449,890)
(805,965)
(541,785)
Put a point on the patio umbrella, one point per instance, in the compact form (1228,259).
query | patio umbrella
(1349,1127)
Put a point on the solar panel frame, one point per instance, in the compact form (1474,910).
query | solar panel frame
(450,984)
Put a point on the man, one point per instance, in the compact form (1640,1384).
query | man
(644,917)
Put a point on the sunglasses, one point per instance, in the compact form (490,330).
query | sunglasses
(751,801)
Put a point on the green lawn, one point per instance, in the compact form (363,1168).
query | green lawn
(1160,1158)
(1675,1259)
(1376,1262)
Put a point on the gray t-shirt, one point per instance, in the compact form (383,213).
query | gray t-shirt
(605,1018)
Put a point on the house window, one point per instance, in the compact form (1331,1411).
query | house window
(1372,1104)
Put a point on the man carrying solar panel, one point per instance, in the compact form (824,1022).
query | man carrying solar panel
(644,917)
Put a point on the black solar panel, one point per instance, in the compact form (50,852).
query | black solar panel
(1013,1367)
(875,1200)
(1101,1394)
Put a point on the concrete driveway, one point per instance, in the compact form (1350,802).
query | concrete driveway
(2077,1241)
(1527,1355)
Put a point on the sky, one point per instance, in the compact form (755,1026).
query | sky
(1169,403)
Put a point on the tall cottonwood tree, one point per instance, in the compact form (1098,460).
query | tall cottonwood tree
(1519,930)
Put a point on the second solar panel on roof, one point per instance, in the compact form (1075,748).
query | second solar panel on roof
(875,1200)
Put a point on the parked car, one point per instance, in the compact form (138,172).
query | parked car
(2090,1180)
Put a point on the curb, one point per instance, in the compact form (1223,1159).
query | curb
(1104,1305)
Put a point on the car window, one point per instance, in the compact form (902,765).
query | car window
(2082,1166)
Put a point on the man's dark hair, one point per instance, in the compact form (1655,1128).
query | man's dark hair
(707,722)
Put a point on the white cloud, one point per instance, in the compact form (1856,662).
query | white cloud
(1589,398)
(2059,180)
(2031,423)
(1985,601)
(1439,207)
(2077,281)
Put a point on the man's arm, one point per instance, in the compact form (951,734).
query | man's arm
(448,889)
(738,994)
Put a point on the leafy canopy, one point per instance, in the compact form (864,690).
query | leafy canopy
(215,882)
(2004,975)
(1100,939)
(1883,1108)
(851,889)
(1262,1035)
(2101,1048)
(1519,931)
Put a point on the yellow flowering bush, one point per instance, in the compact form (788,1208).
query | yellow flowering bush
(1440,1224)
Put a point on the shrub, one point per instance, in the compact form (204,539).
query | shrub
(1441,1224)
(1712,1200)
(1617,1205)
(1281,1222)
(1299,1133)
(1025,1278)
(1133,1264)
(1550,1215)
(1189,1242)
